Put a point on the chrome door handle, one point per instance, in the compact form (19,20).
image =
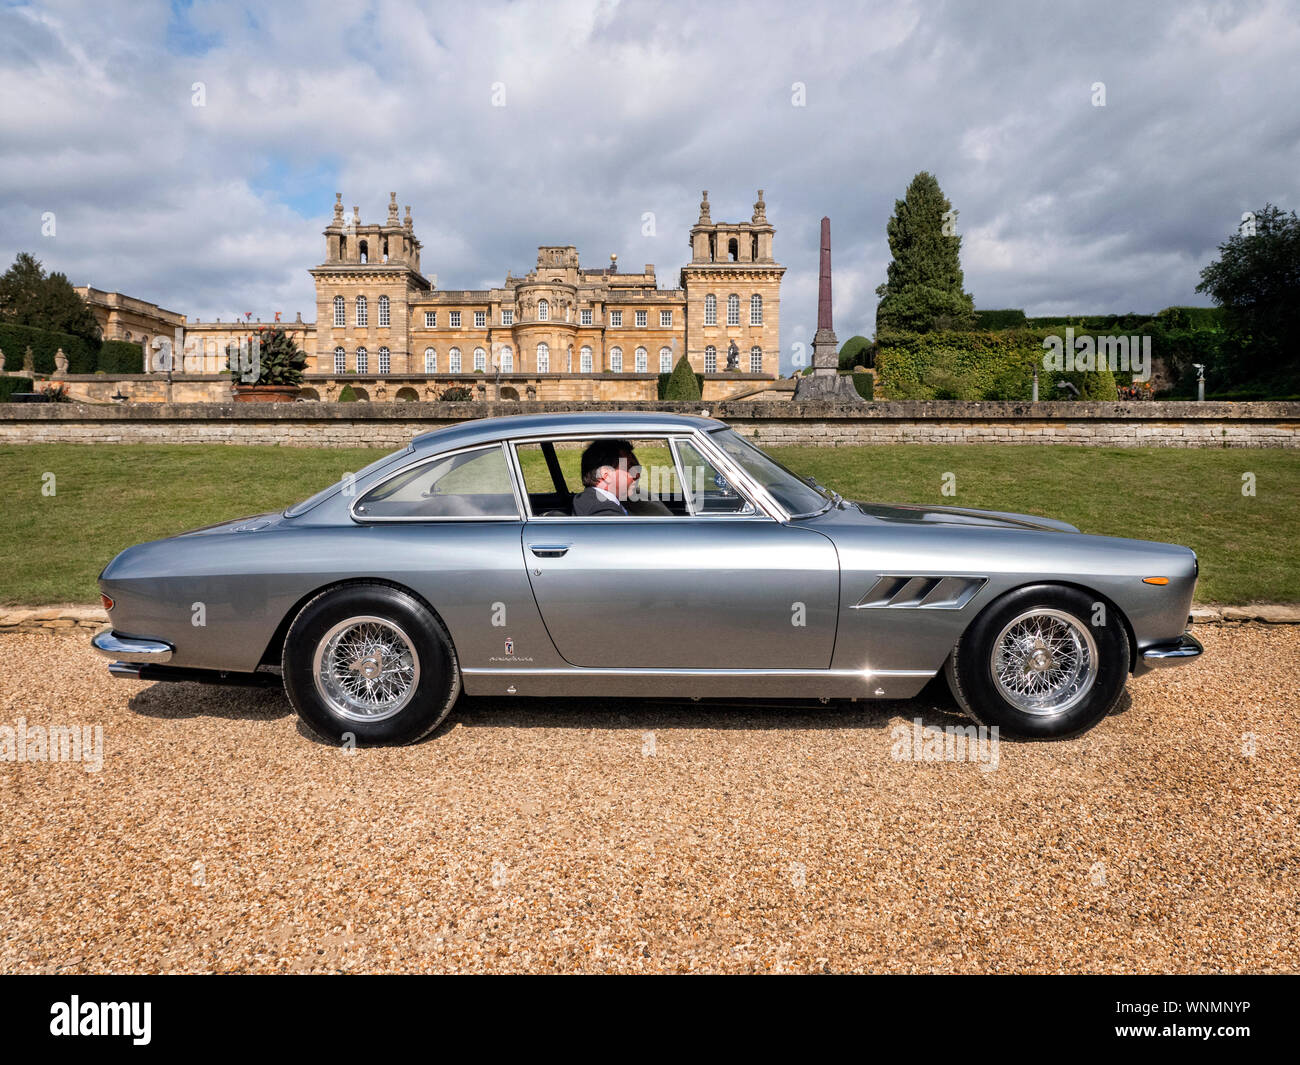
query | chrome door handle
(549,550)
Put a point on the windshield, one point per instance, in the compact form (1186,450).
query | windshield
(788,489)
(325,493)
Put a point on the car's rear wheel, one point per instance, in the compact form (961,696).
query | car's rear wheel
(370,663)
(1045,661)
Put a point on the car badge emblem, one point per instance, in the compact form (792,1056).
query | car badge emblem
(510,647)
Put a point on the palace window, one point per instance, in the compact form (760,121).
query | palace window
(430,319)
(665,319)
(584,317)
(363,361)
(480,360)
(615,319)
(455,319)
(710,309)
(453,360)
(543,311)
(543,358)
(665,360)
(385,361)
(507,317)
(340,311)
(733,309)
(383,312)
(430,361)
(616,360)
(755,309)
(480,319)
(340,360)
(755,360)
(641,319)
(584,360)
(642,360)
(507,360)
(362,317)
(710,359)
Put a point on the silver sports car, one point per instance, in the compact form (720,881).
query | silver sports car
(639,554)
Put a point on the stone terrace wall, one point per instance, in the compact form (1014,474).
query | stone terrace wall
(1144,424)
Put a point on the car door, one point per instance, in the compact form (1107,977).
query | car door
(718,588)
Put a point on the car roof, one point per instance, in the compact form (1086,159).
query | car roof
(622,423)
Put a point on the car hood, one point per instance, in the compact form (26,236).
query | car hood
(919,514)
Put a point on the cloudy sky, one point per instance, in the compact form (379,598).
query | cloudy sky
(612,110)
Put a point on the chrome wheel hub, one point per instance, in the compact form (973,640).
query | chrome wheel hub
(1044,661)
(366,668)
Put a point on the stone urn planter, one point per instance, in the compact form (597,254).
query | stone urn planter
(266,393)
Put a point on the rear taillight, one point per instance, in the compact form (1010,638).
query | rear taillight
(108,603)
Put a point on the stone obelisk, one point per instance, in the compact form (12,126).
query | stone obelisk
(825,382)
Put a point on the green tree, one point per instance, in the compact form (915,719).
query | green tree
(923,287)
(1256,280)
(683,385)
(854,352)
(30,297)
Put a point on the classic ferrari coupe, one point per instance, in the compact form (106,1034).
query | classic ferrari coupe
(510,557)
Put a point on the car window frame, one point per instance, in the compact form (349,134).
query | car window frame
(424,519)
(761,510)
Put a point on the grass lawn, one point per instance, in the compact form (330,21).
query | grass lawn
(107,497)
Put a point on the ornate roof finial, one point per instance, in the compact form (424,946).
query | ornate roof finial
(392,208)
(760,209)
(704,210)
(338,208)
(407,221)
(356,215)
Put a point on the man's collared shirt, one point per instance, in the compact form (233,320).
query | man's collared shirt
(610,496)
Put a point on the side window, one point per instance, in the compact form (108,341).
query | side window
(653,491)
(706,487)
(473,484)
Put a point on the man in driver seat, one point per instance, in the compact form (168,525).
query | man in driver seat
(609,470)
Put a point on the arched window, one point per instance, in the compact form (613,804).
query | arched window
(642,360)
(363,361)
(755,360)
(710,359)
(507,360)
(616,360)
(543,311)
(383,312)
(365,252)
(385,249)
(710,309)
(385,361)
(733,309)
(733,250)
(584,360)
(543,358)
(363,317)
(430,361)
(340,360)
(665,360)
(340,311)
(480,359)
(755,309)
(453,360)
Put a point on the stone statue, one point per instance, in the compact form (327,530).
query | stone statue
(2,360)
(733,357)
(29,363)
(60,363)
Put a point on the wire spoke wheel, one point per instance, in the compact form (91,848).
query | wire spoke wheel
(1044,661)
(366,668)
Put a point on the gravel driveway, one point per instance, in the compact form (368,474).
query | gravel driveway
(669,837)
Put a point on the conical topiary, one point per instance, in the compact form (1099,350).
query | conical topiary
(683,386)
(347,395)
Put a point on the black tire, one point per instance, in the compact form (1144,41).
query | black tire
(412,643)
(1079,628)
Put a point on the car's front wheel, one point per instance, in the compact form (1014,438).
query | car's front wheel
(1045,661)
(371,664)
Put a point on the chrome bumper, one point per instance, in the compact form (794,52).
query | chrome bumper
(1184,648)
(129,648)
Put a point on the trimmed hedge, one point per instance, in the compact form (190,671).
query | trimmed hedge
(856,351)
(10,385)
(865,384)
(1008,319)
(346,395)
(15,339)
(121,356)
(683,384)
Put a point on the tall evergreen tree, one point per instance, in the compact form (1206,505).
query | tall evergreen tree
(923,287)
(29,297)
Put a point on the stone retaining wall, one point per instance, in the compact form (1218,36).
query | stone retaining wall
(1142,424)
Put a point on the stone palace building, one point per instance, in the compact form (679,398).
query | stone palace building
(562,332)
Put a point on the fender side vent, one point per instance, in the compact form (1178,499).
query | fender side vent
(932,592)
